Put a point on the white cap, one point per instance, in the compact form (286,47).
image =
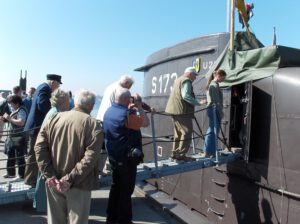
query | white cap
(192,70)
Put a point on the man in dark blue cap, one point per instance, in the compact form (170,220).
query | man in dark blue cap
(39,108)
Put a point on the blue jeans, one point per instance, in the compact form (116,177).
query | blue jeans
(210,141)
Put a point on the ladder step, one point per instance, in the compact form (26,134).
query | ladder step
(217,198)
(221,214)
(222,184)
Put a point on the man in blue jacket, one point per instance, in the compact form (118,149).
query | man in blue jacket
(123,142)
(39,108)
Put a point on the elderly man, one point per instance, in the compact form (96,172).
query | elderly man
(39,108)
(181,105)
(67,152)
(109,95)
(123,142)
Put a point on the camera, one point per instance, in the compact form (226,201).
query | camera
(132,99)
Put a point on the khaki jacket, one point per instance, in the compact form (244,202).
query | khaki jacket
(68,147)
(176,104)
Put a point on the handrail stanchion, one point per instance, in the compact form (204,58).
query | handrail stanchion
(193,143)
(216,132)
(154,144)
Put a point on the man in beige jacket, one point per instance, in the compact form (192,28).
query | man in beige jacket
(181,105)
(67,151)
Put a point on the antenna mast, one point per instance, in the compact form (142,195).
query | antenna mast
(228,16)
(232,24)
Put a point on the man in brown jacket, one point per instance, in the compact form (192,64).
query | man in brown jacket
(67,151)
(181,105)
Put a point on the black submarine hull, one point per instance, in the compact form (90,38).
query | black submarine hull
(262,188)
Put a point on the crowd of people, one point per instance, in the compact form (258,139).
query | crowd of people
(62,142)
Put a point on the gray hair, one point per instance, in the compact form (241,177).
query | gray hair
(58,96)
(126,79)
(122,94)
(84,97)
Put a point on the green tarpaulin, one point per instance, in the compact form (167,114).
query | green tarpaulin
(250,60)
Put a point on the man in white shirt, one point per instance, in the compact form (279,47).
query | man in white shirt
(125,81)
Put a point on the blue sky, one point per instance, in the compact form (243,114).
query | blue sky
(91,43)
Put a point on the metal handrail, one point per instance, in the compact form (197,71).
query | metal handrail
(154,145)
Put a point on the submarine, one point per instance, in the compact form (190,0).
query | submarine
(261,120)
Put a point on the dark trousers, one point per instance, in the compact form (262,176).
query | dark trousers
(119,208)
(31,169)
(15,155)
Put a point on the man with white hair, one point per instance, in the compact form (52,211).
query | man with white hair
(181,105)
(67,153)
(123,142)
(109,95)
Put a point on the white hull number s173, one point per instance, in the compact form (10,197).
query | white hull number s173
(163,83)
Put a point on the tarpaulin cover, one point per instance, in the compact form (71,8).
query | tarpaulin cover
(251,61)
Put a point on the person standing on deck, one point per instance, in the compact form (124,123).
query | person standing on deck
(59,103)
(67,153)
(39,108)
(4,108)
(109,95)
(123,142)
(15,144)
(214,105)
(28,99)
(181,105)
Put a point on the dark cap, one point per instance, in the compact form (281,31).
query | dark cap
(54,77)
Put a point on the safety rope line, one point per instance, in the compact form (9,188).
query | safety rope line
(172,140)
(12,158)
(10,132)
(201,135)
(16,166)
(163,113)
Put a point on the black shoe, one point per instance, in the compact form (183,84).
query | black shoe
(8,176)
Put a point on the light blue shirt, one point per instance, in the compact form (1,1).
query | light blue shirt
(186,93)
(50,114)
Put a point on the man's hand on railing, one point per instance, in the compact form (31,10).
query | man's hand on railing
(202,102)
